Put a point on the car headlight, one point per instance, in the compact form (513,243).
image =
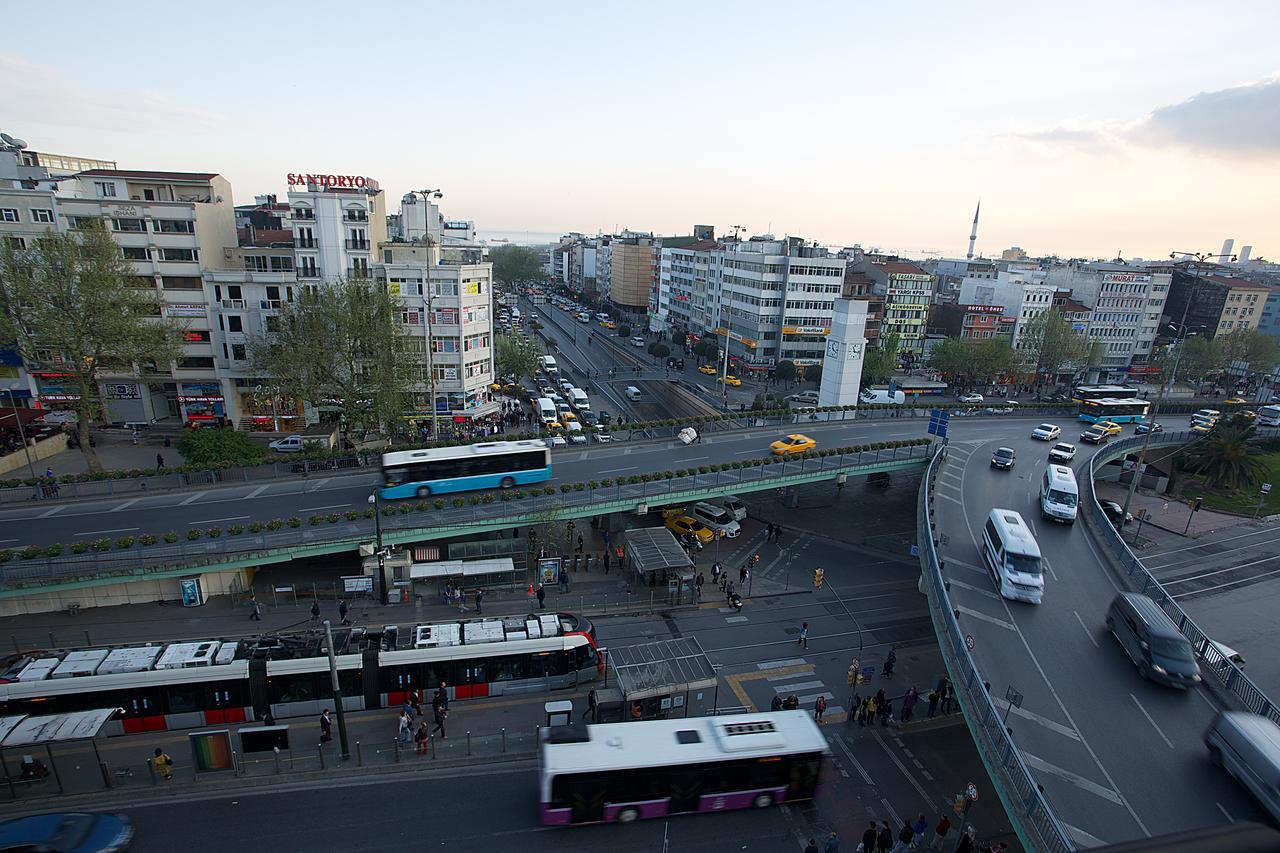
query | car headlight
(1159,669)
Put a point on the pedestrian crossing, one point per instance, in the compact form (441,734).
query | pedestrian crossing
(799,681)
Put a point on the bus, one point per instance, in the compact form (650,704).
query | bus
(1100,392)
(489,465)
(1121,411)
(619,772)
(1269,416)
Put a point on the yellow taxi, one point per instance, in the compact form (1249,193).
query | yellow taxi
(1235,401)
(1203,427)
(1109,427)
(683,525)
(731,381)
(707,370)
(608,324)
(568,416)
(794,443)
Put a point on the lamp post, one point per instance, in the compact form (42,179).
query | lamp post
(378,551)
(428,293)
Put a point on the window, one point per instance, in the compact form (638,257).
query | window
(235,323)
(41,215)
(238,352)
(83,222)
(178,255)
(281,263)
(135,253)
(255,263)
(196,363)
(106,189)
(16,242)
(196,336)
(174,226)
(9,214)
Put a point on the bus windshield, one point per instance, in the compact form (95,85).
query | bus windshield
(1061,498)
(1023,563)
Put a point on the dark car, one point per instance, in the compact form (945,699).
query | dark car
(675,363)
(1114,512)
(588,417)
(1094,435)
(67,832)
(1003,458)
(605,417)
(1146,427)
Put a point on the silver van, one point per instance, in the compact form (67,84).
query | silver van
(632,392)
(1247,746)
(1154,644)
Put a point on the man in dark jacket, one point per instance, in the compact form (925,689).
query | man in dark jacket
(884,841)
(869,838)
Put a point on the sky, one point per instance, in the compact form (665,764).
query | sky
(1087,129)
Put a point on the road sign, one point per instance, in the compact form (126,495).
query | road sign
(971,791)
(969,642)
(1266,488)
(915,550)
(868,673)
(938,419)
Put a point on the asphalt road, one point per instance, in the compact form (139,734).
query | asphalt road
(1118,757)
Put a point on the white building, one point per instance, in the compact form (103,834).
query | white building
(336,228)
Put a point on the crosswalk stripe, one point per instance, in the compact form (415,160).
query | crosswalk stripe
(791,688)
(779,664)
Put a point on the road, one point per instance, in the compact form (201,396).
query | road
(1094,734)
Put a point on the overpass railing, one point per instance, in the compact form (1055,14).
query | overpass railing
(439,517)
(1027,807)
(1223,673)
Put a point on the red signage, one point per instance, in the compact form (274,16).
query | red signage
(297,179)
(984,309)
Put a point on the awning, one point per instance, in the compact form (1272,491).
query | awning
(461,568)
(11,418)
(661,668)
(53,728)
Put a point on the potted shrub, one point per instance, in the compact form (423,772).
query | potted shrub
(169,537)
(276,524)
(255,527)
(235,529)
(194,533)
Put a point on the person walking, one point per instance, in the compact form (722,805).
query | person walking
(869,712)
(315,612)
(812,846)
(889,660)
(405,726)
(777,534)
(163,764)
(804,635)
(462,600)
(542,596)
(909,703)
(948,699)
(904,836)
(578,550)
(159,461)
(742,575)
(884,838)
(940,830)
(420,738)
(414,701)
(563,579)
(967,840)
(697,585)
(326,726)
(832,844)
(479,601)
(255,609)
(819,708)
(933,703)
(918,829)
(593,704)
(440,712)
(869,835)
(606,560)
(342,612)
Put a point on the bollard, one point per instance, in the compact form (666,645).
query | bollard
(276,753)
(504,738)
(320,749)
(468,743)
(431,745)
(151,768)
(359,756)
(106,774)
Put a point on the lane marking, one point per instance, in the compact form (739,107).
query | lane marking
(979,590)
(212,520)
(257,492)
(1085,839)
(778,664)
(54,511)
(318,508)
(115,530)
(857,765)
(952,561)
(1075,779)
(733,619)
(1049,724)
(1160,732)
(947,497)
(800,685)
(318,484)
(1086,630)
(126,504)
(807,701)
(910,777)
(615,470)
(787,676)
(985,618)
(197,496)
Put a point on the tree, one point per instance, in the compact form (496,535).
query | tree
(1223,456)
(1048,342)
(786,371)
(72,303)
(706,349)
(344,346)
(678,337)
(517,356)
(1257,349)
(971,361)
(624,331)
(813,373)
(515,263)
(1200,356)
(878,363)
(217,446)
(657,349)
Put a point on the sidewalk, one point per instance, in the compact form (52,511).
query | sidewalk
(114,454)
(1167,516)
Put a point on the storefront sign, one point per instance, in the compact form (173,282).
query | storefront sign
(185,310)
(121,392)
(351,181)
(188,398)
(1126,278)
(805,330)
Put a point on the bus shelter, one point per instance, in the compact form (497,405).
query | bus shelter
(34,734)
(463,574)
(659,562)
(662,679)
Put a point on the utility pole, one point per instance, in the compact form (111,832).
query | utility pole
(337,691)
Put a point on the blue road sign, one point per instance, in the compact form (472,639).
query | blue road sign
(938,419)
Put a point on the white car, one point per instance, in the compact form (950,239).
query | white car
(638,341)
(1046,432)
(557,441)
(1062,452)
(602,436)
(971,397)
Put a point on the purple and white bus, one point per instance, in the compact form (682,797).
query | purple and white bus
(619,772)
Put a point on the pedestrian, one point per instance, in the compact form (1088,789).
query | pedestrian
(884,839)
(159,461)
(812,846)
(606,560)
(406,726)
(869,835)
(933,703)
(255,609)
(697,584)
(315,612)
(414,700)
(832,844)
(578,550)
(268,719)
(163,764)
(48,473)
(342,612)
(890,660)
(886,712)
(804,635)
(441,695)
(479,600)
(542,596)
(917,830)
(462,600)
(909,703)
(742,575)
(792,703)
(776,703)
(940,831)
(593,704)
(905,835)
(967,838)
(869,712)
(134,437)
(420,738)
(563,579)
(777,534)
(728,593)
(768,532)
(326,726)
(440,712)
(948,699)
(715,574)
(819,708)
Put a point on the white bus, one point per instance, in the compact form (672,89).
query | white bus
(1013,556)
(488,465)
(1269,416)
(618,772)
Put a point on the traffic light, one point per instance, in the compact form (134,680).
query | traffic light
(852,675)
(817,577)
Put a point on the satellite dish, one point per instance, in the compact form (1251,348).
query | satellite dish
(18,143)
(8,140)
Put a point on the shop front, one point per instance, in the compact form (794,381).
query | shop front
(202,403)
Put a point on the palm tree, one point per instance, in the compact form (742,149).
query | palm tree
(1223,456)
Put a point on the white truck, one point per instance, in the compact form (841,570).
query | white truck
(882,395)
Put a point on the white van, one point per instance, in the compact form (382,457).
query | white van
(1059,496)
(718,519)
(1247,745)
(578,399)
(1013,556)
(549,365)
(882,395)
(632,392)
(515,316)
(547,411)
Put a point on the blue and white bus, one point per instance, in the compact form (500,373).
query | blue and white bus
(1103,392)
(1117,411)
(489,465)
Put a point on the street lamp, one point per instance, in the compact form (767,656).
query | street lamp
(378,552)
(428,293)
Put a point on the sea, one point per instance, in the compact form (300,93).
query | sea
(520,238)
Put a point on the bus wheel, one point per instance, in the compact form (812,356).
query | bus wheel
(628,815)
(507,482)
(424,491)
(762,801)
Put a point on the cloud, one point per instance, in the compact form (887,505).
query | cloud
(1242,121)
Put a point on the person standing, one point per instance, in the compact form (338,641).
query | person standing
(742,575)
(593,704)
(342,612)
(884,838)
(462,600)
(326,726)
(819,708)
(869,835)
(948,699)
(578,550)
(697,586)
(255,609)
(315,612)
(542,596)
(406,726)
(420,738)
(812,846)
(967,840)
(440,711)
(832,844)
(940,831)
(563,578)
(479,600)
(909,703)
(917,830)
(905,835)
(163,764)
(777,534)
(606,560)
(804,635)
(933,703)
(776,703)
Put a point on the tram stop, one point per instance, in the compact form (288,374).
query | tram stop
(659,563)
(657,681)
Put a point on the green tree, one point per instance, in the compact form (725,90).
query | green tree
(72,303)
(1257,349)
(1228,456)
(879,363)
(786,371)
(344,346)
(678,337)
(706,349)
(513,264)
(517,356)
(624,331)
(813,373)
(1199,357)
(657,349)
(1048,343)
(216,446)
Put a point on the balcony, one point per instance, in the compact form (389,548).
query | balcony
(308,272)
(305,242)
(354,216)
(233,303)
(358,244)
(303,213)
(357,272)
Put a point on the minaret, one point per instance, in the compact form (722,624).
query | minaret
(973,234)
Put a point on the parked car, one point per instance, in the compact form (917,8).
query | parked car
(638,342)
(1062,452)
(717,519)
(735,506)
(1003,458)
(1114,512)
(970,397)
(290,444)
(1046,432)
(675,363)
(1235,401)
(683,525)
(602,436)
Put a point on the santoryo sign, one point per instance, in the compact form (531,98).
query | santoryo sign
(298,179)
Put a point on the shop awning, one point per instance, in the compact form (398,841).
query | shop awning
(661,668)
(10,418)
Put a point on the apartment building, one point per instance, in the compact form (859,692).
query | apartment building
(336,229)
(1037,298)
(1126,317)
(908,292)
(857,285)
(689,286)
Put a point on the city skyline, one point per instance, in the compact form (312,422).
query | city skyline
(838,125)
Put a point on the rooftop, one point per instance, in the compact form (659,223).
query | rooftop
(900,267)
(130,175)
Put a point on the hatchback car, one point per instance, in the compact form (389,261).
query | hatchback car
(1062,452)
(683,525)
(1235,401)
(1046,432)
(1114,512)
(794,443)
(730,380)
(970,398)
(1003,458)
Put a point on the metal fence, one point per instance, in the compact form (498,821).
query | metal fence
(1027,807)
(1224,673)
(439,518)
